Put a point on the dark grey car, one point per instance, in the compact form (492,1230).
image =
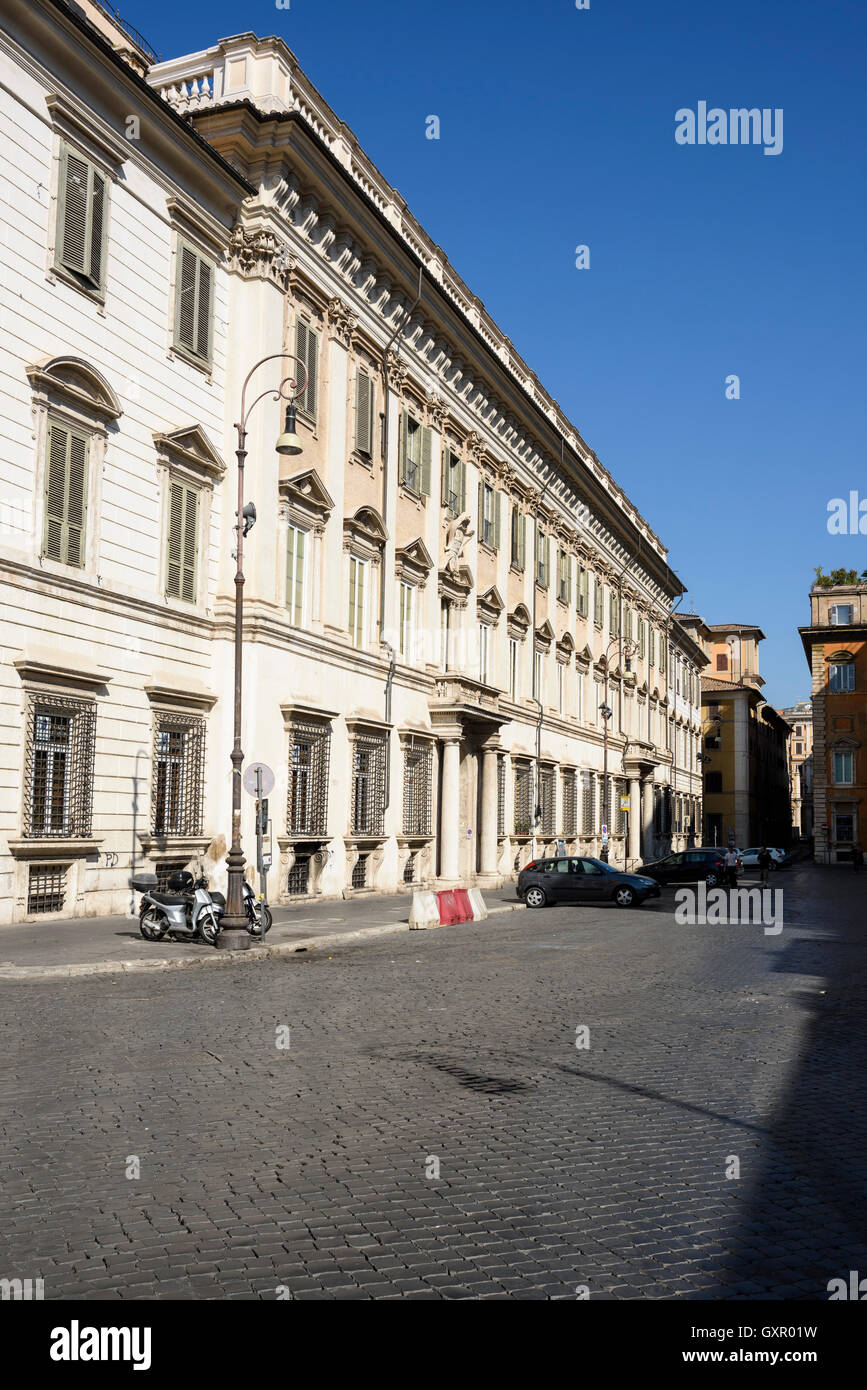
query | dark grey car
(574,879)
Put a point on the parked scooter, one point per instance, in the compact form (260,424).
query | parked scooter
(258,912)
(186,911)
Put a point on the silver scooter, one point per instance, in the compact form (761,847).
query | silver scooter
(257,912)
(186,911)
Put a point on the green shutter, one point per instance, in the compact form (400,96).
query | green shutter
(66,471)
(191,544)
(204,308)
(462,486)
(183,543)
(351,623)
(98,227)
(404,444)
(498,497)
(307,348)
(363,413)
(74,212)
(185,297)
(522,541)
(426,452)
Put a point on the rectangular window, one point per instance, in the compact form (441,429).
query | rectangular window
(415,456)
(82,219)
(546,801)
(841,614)
(564,577)
(454,483)
(484,652)
(182,546)
(179,775)
(489,516)
(307,349)
(561,687)
(513,668)
(597,602)
(307,805)
(642,639)
(357,622)
(406,621)
(46,888)
(663,653)
(588,804)
(519,539)
(613,613)
(539,677)
(194,302)
(579,703)
(296,575)
(651,645)
(444,634)
(844,769)
(66,479)
(844,827)
(58,777)
(417,765)
(364,397)
(542,558)
(570,805)
(583,579)
(841,676)
(523,809)
(368,784)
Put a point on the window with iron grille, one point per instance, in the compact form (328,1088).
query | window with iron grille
(58,773)
(307,806)
(417,766)
(570,805)
(409,869)
(523,798)
(299,876)
(368,784)
(46,888)
(179,775)
(588,826)
(165,869)
(359,872)
(501,796)
(619,816)
(546,800)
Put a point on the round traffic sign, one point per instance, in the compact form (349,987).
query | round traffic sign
(251,782)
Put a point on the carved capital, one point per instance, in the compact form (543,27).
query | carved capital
(341,321)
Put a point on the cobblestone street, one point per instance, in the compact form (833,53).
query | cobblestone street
(305,1171)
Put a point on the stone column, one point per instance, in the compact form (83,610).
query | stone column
(647,817)
(488,847)
(634,850)
(316,595)
(449,811)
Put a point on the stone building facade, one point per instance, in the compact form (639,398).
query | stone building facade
(454,617)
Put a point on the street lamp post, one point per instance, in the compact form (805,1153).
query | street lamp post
(234,934)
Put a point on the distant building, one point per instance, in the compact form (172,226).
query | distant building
(800,717)
(835,644)
(744,741)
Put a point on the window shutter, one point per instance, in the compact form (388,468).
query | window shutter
(186,297)
(311,394)
(522,540)
(426,451)
(363,413)
(97,227)
(481,512)
(76,505)
(204,308)
(74,212)
(462,486)
(175,546)
(498,498)
(182,547)
(55,492)
(191,544)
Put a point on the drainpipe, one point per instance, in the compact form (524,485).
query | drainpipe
(385,417)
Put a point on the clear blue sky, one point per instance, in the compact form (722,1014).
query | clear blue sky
(557,128)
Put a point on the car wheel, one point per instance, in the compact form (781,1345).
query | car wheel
(711,880)
(535,897)
(624,896)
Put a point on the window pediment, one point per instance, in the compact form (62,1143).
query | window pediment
(307,493)
(413,562)
(490,605)
(518,622)
(75,383)
(38,667)
(73,120)
(365,533)
(191,448)
(837,657)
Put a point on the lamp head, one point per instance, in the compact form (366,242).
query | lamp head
(289,443)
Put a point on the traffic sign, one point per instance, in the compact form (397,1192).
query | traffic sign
(624,803)
(253,785)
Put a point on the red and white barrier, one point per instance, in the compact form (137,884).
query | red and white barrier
(445,908)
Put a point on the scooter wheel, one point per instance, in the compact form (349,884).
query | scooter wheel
(152,925)
(209,927)
(262,922)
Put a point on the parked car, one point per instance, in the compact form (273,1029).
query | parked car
(573,880)
(688,867)
(750,857)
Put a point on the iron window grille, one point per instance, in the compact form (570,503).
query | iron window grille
(309,754)
(58,768)
(619,816)
(298,878)
(46,888)
(359,872)
(501,796)
(409,869)
(587,803)
(166,869)
(570,805)
(368,785)
(546,800)
(179,775)
(523,798)
(417,766)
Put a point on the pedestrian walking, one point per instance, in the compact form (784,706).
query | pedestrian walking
(764,866)
(857,859)
(731,867)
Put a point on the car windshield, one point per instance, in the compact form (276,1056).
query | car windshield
(600,864)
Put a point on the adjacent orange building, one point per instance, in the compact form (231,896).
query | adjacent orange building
(836,647)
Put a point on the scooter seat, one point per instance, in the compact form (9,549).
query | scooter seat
(168,899)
